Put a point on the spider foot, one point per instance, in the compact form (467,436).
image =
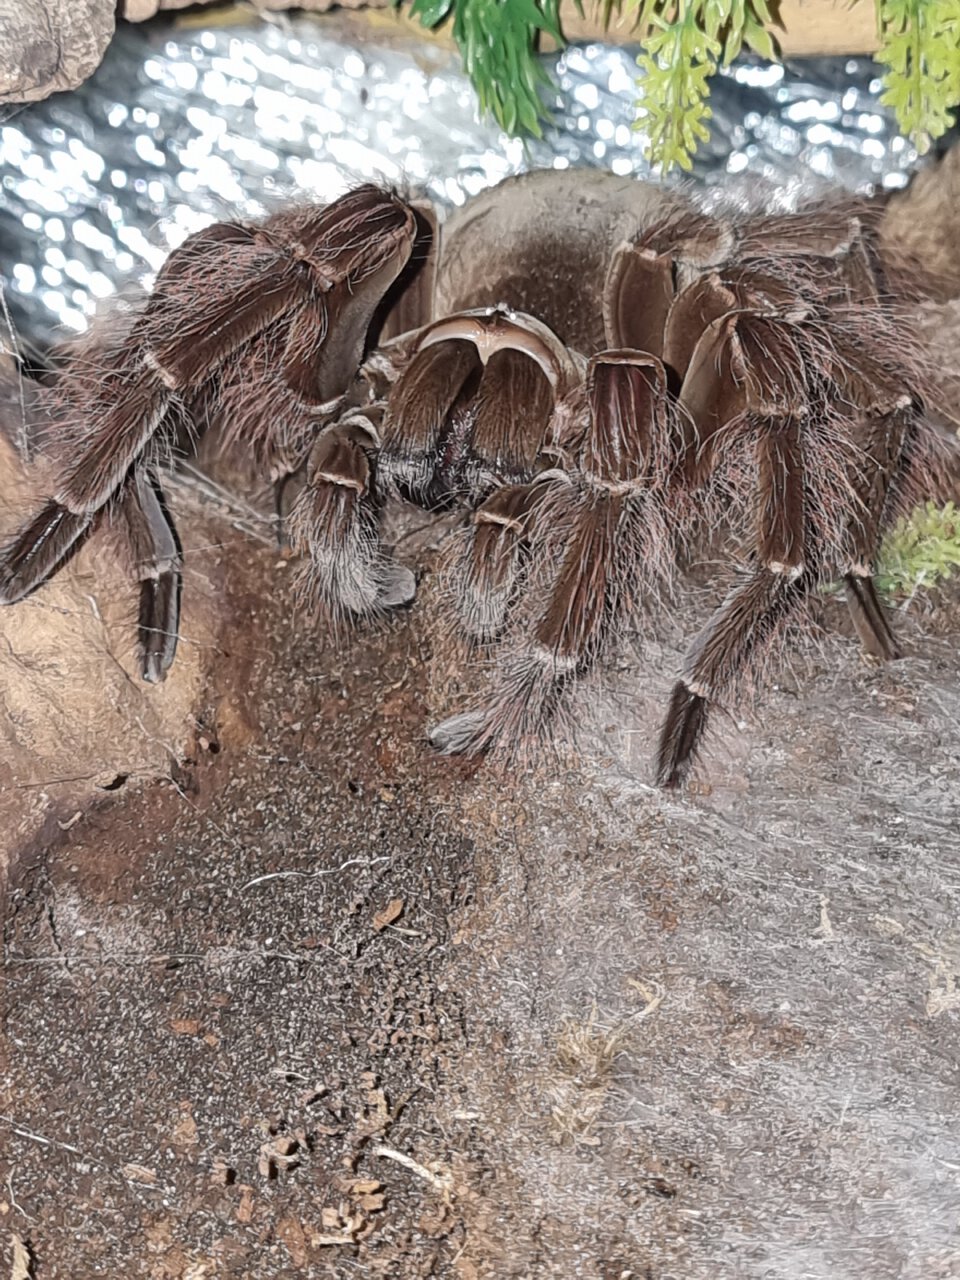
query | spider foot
(158,624)
(680,737)
(397,588)
(868,617)
(460,735)
(526,707)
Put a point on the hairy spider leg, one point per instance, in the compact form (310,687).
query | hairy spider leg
(336,522)
(679,291)
(748,378)
(467,412)
(743,626)
(324,273)
(152,543)
(491,558)
(609,537)
(885,421)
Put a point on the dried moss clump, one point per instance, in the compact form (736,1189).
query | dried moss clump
(920,550)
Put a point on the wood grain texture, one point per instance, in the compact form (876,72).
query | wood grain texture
(811,27)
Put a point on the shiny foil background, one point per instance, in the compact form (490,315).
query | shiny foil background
(186,123)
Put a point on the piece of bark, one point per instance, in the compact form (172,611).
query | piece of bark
(924,223)
(74,714)
(140,10)
(49,45)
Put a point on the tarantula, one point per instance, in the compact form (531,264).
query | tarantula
(751,365)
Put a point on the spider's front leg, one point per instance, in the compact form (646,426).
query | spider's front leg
(305,285)
(467,420)
(454,411)
(597,545)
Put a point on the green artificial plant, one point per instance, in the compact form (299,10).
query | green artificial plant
(683,43)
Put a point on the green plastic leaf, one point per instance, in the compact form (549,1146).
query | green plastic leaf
(759,39)
(683,44)
(920,47)
(430,12)
(677,59)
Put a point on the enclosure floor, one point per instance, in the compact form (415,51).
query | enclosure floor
(477,1022)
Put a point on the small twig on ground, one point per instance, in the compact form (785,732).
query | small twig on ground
(38,1137)
(441,1181)
(824,931)
(345,1238)
(14,1204)
(313,875)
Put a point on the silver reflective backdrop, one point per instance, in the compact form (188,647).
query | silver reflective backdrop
(182,125)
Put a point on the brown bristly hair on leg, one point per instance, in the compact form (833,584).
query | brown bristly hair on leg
(599,546)
(345,575)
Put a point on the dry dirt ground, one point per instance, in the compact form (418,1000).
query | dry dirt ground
(299,999)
